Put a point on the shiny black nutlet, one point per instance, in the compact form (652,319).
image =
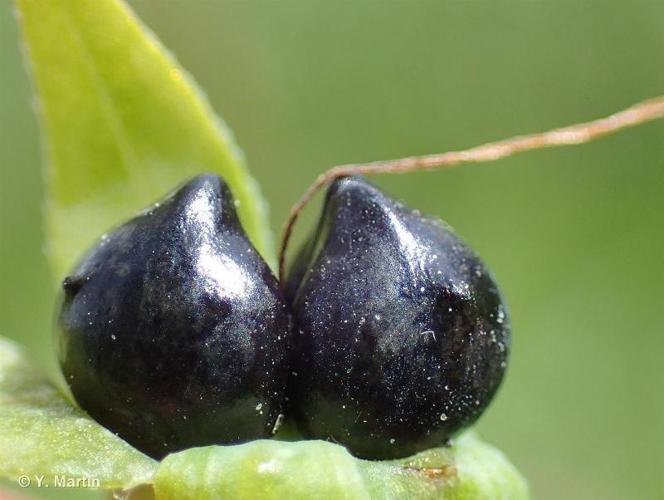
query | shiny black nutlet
(401,335)
(172,329)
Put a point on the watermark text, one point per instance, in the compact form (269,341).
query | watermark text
(57,481)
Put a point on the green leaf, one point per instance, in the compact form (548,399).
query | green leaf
(123,124)
(469,470)
(42,434)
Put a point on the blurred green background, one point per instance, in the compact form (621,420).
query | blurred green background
(575,236)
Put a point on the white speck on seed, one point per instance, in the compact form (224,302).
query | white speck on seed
(429,332)
(277,423)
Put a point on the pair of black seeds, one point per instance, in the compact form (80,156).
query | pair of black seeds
(392,335)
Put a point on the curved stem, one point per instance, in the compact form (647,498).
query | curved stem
(574,134)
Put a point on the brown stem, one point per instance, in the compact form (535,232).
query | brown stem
(574,134)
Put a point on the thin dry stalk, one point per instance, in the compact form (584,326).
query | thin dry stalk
(574,134)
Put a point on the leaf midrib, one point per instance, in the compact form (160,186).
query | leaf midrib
(114,121)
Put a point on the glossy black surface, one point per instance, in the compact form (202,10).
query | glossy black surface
(401,335)
(172,330)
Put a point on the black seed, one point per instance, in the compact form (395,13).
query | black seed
(179,336)
(403,337)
